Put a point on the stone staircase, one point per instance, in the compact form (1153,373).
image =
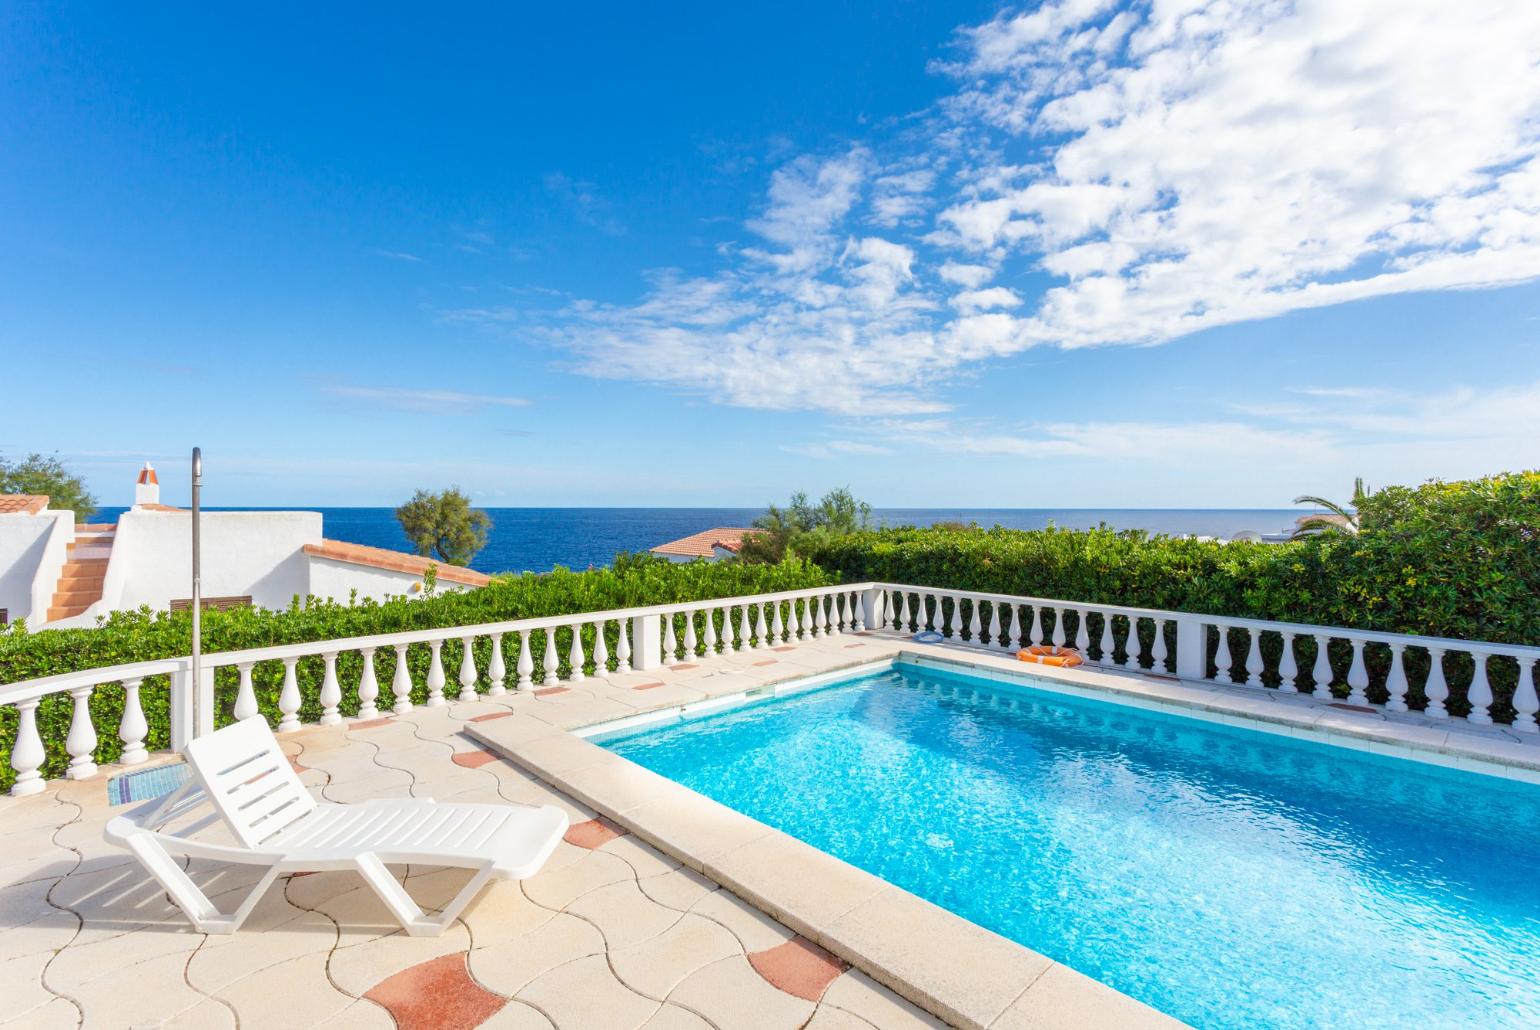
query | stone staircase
(80,581)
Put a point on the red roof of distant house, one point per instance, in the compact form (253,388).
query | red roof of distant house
(704,545)
(395,561)
(22,504)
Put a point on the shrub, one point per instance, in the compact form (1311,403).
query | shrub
(142,635)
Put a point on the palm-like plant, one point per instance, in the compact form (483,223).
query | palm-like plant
(1337,518)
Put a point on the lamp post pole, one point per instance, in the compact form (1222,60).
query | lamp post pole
(198,699)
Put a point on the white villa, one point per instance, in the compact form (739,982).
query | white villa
(55,572)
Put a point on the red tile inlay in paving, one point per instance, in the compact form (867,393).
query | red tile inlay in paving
(787,648)
(294,764)
(685,665)
(436,995)
(490,716)
(768,661)
(548,691)
(369,724)
(646,686)
(595,833)
(798,967)
(473,759)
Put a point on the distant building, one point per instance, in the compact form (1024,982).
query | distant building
(56,573)
(713,545)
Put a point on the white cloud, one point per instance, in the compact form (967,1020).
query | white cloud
(428,401)
(1172,166)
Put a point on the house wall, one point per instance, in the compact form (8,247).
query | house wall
(32,551)
(256,553)
(338,580)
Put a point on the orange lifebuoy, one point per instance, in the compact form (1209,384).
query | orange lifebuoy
(1043,654)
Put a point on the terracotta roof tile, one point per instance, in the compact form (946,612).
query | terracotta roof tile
(395,561)
(703,545)
(23,504)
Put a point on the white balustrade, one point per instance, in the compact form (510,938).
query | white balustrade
(436,678)
(1321,673)
(288,698)
(245,696)
(744,634)
(401,683)
(670,642)
(525,668)
(548,659)
(331,691)
(601,651)
(468,674)
(81,742)
(497,672)
(132,727)
(1254,666)
(1525,702)
(1288,669)
(575,657)
(368,686)
(689,637)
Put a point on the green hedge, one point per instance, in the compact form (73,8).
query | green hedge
(140,636)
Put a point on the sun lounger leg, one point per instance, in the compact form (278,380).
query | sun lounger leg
(408,913)
(205,917)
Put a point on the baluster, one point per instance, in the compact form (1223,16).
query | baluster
(1037,627)
(1058,627)
(368,687)
(952,615)
(1222,656)
(496,670)
(711,632)
(525,666)
(1082,633)
(27,752)
(1133,648)
(132,727)
(1254,666)
(1106,644)
(745,633)
(331,691)
(623,647)
(245,696)
(575,656)
(975,625)
(1288,669)
(903,611)
(1012,628)
(1395,681)
(729,642)
(1525,701)
(1436,688)
(1158,647)
(689,636)
(670,641)
(436,678)
(401,683)
(288,698)
(1358,675)
(815,617)
(1321,671)
(777,627)
(467,669)
(824,625)
(761,634)
(840,621)
(601,651)
(549,660)
(1479,693)
(994,624)
(81,742)
(793,624)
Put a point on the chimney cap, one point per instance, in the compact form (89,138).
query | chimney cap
(147,476)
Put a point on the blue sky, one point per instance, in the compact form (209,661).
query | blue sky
(1082,254)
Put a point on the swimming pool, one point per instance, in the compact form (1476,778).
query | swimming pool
(1229,877)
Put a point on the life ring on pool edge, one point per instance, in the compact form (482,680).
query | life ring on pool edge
(1043,654)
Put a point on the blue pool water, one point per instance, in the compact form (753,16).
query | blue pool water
(1228,877)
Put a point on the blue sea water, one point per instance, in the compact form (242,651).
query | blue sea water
(1227,877)
(537,539)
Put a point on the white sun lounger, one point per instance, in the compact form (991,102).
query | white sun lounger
(247,778)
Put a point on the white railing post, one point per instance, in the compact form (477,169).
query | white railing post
(132,727)
(288,698)
(601,651)
(368,686)
(870,614)
(549,660)
(436,679)
(81,742)
(575,656)
(646,652)
(180,705)
(1288,668)
(1191,648)
(331,691)
(245,696)
(1525,701)
(497,672)
(1436,688)
(401,683)
(468,672)
(1479,693)
(623,632)
(27,752)
(525,667)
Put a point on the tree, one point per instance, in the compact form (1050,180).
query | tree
(1338,519)
(444,524)
(779,530)
(36,474)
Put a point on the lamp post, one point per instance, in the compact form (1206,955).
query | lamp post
(198,699)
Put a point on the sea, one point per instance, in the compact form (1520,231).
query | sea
(538,539)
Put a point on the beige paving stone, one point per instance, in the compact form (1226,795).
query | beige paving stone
(47,933)
(58,1014)
(656,966)
(613,785)
(730,994)
(21,984)
(623,914)
(940,961)
(357,967)
(823,889)
(693,828)
(678,889)
(1063,999)
(558,889)
(830,1018)
(210,1013)
(644,859)
(509,966)
(33,855)
(754,930)
(673,1017)
(21,903)
(586,994)
(518,1016)
(363,1014)
(275,932)
(860,995)
(291,994)
(34,811)
(131,994)
(84,961)
(502,913)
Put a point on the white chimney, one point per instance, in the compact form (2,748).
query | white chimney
(147,489)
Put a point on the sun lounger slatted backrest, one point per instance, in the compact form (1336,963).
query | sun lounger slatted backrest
(249,780)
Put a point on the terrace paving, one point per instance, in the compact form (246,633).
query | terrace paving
(628,925)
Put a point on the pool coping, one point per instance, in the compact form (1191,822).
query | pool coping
(936,959)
